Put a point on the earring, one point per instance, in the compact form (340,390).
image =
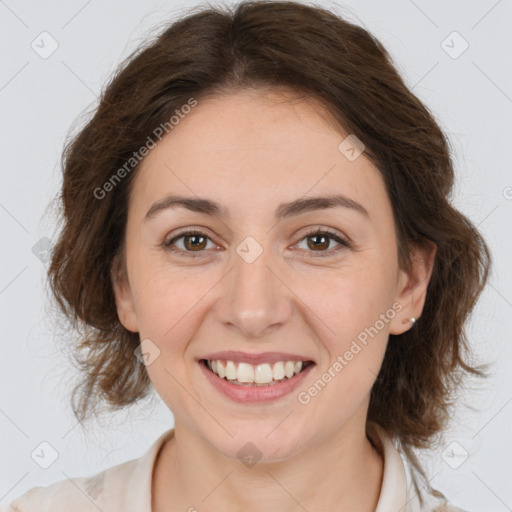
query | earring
(407,320)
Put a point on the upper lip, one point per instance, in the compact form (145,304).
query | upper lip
(246,357)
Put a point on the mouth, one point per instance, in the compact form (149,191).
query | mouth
(264,374)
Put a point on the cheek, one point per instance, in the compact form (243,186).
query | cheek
(355,315)
(169,313)
(350,299)
(355,308)
(168,302)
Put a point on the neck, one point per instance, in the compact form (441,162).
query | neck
(342,473)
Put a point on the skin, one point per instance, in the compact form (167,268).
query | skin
(250,151)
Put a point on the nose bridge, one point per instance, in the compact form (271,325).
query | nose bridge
(254,299)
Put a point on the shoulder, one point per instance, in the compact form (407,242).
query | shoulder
(432,501)
(403,487)
(427,499)
(71,493)
(82,494)
(446,507)
(122,487)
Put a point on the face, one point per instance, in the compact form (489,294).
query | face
(263,281)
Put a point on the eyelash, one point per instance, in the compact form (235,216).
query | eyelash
(343,243)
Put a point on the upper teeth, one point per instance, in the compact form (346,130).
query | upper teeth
(260,374)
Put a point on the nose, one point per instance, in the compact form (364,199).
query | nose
(255,299)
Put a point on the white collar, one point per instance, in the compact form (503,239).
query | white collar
(137,495)
(393,492)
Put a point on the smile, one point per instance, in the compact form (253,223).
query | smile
(247,383)
(265,374)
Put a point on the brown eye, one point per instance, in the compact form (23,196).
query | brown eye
(193,242)
(318,242)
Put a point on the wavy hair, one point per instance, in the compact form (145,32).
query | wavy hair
(316,54)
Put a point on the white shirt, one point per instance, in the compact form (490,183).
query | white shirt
(127,486)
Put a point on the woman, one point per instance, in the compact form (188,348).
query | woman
(257,226)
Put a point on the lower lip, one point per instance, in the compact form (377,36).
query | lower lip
(251,394)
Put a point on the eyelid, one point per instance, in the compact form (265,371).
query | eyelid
(343,241)
(168,243)
(326,230)
(192,231)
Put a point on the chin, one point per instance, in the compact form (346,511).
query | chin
(256,444)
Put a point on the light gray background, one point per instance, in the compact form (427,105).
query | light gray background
(40,99)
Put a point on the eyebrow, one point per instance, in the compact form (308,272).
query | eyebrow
(303,205)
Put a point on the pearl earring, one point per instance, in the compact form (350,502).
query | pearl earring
(407,320)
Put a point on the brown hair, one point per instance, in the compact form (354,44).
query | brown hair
(316,54)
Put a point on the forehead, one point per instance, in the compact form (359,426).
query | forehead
(256,149)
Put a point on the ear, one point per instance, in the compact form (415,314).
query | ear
(123,294)
(412,286)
